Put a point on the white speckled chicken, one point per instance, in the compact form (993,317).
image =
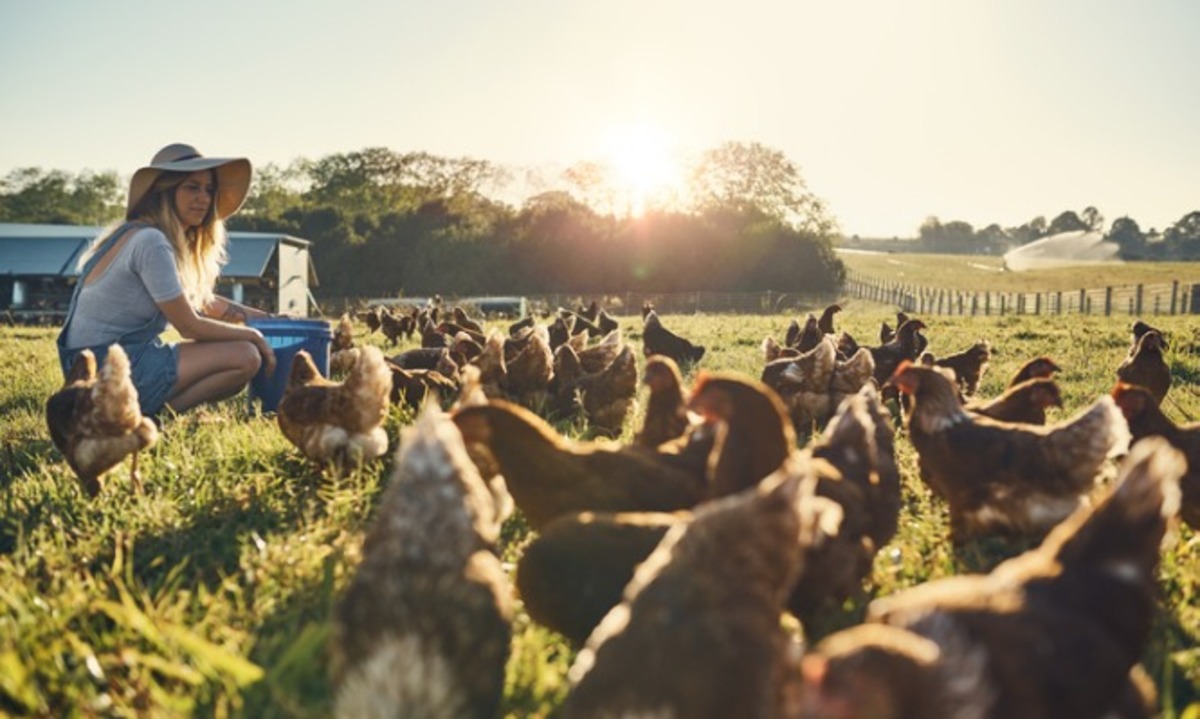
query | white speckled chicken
(334,423)
(95,421)
(424,627)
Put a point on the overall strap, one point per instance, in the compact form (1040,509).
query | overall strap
(104,248)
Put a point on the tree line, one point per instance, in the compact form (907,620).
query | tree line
(384,223)
(1180,241)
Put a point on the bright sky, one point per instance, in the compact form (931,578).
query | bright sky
(983,111)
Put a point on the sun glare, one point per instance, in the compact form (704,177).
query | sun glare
(642,165)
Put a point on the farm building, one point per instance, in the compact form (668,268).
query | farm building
(39,268)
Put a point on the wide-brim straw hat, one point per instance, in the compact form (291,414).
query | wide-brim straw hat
(233,176)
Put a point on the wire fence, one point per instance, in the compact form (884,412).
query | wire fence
(1166,298)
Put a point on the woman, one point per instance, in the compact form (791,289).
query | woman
(160,266)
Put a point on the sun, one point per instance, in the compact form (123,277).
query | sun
(643,169)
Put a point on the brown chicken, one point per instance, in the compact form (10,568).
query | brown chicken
(575,569)
(809,337)
(528,372)
(1055,632)
(370,316)
(493,370)
(658,340)
(343,334)
(1146,419)
(906,345)
(332,423)
(460,318)
(850,376)
(1146,366)
(1036,367)
(424,626)
(1025,403)
(95,421)
(968,365)
(772,350)
(411,386)
(600,355)
(999,477)
(803,383)
(698,633)
(607,396)
(394,327)
(667,416)
(753,435)
(855,465)
(825,323)
(549,475)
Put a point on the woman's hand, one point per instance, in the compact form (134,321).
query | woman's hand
(265,351)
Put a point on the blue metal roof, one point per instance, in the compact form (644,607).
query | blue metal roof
(55,249)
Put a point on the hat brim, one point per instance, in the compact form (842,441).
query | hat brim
(233,181)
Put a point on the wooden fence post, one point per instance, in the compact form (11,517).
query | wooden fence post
(1174,294)
(1082,300)
(1037,304)
(987,303)
(974,303)
(1138,301)
(1107,301)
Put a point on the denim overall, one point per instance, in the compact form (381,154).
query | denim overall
(154,364)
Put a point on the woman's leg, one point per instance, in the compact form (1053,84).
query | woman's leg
(210,371)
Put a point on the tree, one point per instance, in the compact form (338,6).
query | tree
(1129,238)
(1066,222)
(1182,239)
(33,195)
(1092,218)
(740,176)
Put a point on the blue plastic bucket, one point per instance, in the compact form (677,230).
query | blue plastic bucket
(288,336)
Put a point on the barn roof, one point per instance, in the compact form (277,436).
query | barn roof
(55,250)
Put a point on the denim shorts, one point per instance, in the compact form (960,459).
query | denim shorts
(154,367)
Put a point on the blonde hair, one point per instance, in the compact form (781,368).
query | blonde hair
(200,251)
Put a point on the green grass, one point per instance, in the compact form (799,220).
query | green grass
(211,594)
(979,272)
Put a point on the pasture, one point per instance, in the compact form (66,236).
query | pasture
(211,594)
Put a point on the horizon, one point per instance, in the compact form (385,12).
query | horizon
(983,112)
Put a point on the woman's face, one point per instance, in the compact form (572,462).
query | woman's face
(194,198)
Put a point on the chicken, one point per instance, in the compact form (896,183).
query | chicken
(968,365)
(1036,367)
(698,633)
(810,336)
(411,386)
(1055,632)
(1146,366)
(561,330)
(772,350)
(393,327)
(999,477)
(855,466)
(599,356)
(886,333)
(906,345)
(753,434)
(337,423)
(528,372)
(424,626)
(658,340)
(342,361)
(825,323)
(847,346)
(1146,419)
(370,316)
(461,319)
(95,420)
(343,334)
(493,370)
(549,475)
(575,569)
(1140,328)
(791,338)
(804,384)
(667,416)
(1025,403)
(851,375)
(607,396)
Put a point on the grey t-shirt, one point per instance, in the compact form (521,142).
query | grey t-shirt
(125,296)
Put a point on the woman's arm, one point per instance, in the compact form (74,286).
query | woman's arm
(226,310)
(194,326)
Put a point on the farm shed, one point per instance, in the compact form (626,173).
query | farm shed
(39,268)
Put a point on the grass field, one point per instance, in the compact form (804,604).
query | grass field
(211,594)
(979,272)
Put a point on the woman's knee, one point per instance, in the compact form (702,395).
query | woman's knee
(249,361)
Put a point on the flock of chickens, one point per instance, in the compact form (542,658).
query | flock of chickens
(669,561)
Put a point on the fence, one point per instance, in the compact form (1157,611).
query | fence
(754,303)
(1168,298)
